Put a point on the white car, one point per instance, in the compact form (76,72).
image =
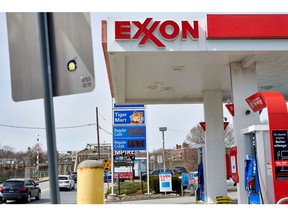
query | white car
(66,182)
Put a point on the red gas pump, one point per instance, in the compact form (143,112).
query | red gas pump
(228,166)
(278,132)
(234,164)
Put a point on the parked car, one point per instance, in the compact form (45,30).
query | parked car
(20,189)
(74,176)
(66,182)
(154,172)
(107,176)
(179,170)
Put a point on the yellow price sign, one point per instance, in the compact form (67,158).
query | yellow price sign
(106,164)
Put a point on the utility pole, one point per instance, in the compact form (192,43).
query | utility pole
(37,155)
(97,128)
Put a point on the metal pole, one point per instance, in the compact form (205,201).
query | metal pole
(112,154)
(37,159)
(147,172)
(164,160)
(98,138)
(49,110)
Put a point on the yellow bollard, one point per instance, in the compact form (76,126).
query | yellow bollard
(223,200)
(90,182)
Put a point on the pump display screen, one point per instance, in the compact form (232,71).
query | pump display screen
(280,147)
(135,143)
(136,132)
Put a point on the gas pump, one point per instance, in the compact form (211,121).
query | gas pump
(266,146)
(258,169)
(201,176)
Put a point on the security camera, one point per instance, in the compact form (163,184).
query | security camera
(247,112)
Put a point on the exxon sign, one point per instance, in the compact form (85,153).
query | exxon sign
(168,30)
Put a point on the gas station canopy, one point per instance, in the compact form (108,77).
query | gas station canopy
(156,60)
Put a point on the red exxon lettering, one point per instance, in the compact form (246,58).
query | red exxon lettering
(148,27)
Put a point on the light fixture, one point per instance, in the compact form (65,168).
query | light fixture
(177,68)
(267,87)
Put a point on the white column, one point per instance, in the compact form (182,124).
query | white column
(244,84)
(215,167)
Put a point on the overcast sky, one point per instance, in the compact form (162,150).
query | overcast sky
(22,122)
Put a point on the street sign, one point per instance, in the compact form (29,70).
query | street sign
(106,165)
(71,54)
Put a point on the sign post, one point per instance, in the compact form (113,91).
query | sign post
(49,111)
(129,132)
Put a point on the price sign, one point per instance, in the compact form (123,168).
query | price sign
(165,181)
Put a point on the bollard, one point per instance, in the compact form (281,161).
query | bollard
(222,200)
(90,182)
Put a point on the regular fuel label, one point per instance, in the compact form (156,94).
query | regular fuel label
(129,137)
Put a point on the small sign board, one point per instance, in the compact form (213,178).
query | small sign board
(187,179)
(165,182)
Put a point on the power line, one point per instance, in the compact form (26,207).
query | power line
(104,118)
(58,128)
(177,130)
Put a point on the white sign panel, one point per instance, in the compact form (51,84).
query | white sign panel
(71,54)
(233,164)
(165,182)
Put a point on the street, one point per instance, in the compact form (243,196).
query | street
(70,197)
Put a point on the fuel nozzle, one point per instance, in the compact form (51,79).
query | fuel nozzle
(251,184)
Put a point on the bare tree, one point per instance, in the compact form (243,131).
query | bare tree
(64,157)
(229,137)
(197,136)
(6,152)
(32,152)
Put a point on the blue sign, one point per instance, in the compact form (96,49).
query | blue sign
(127,106)
(135,117)
(187,178)
(129,138)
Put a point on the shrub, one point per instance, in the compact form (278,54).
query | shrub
(127,188)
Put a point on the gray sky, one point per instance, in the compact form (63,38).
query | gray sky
(80,109)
